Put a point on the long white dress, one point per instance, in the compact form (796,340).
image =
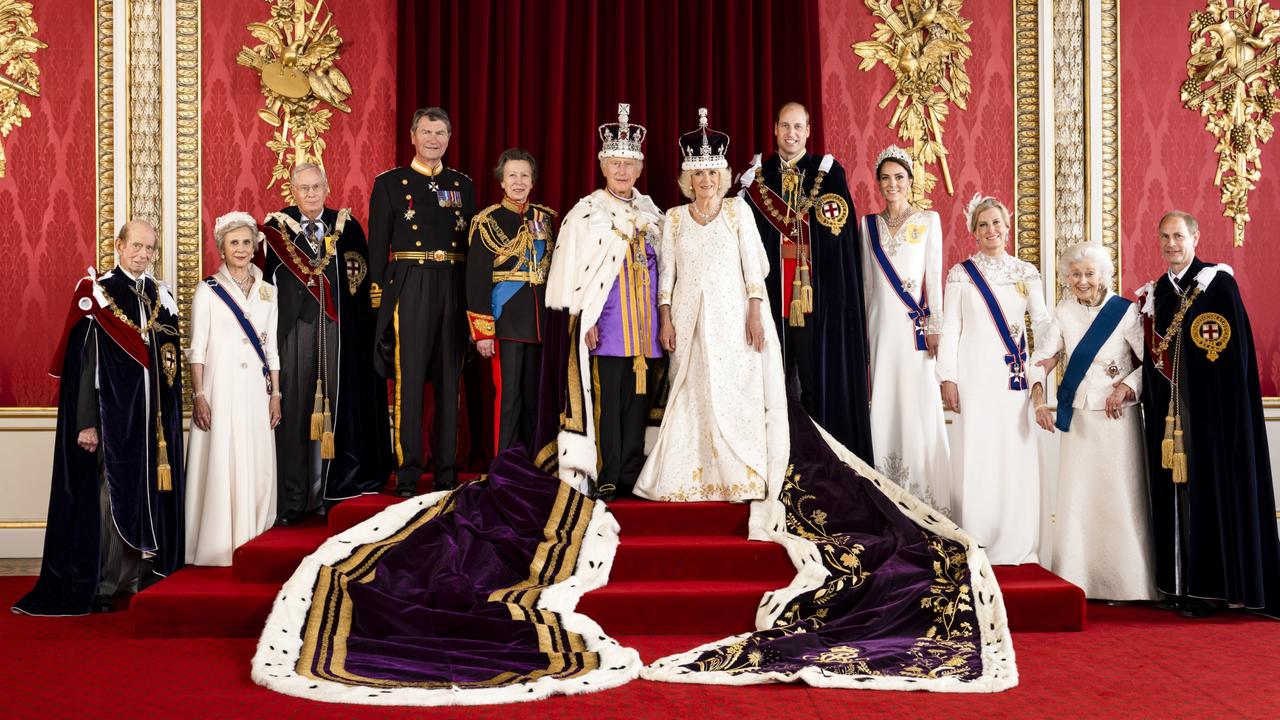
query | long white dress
(1100,517)
(996,480)
(908,427)
(231,468)
(724,432)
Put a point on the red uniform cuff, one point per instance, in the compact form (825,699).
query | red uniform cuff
(481,326)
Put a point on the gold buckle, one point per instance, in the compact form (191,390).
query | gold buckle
(439,255)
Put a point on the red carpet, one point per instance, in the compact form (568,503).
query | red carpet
(1134,662)
(682,568)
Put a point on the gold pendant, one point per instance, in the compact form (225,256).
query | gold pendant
(408,214)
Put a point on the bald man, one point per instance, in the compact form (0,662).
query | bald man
(115,507)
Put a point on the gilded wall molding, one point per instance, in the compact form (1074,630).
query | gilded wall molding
(1071,176)
(1109,116)
(146,141)
(1026,125)
(187,215)
(104,73)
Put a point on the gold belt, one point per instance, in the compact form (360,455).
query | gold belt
(434,256)
(518,276)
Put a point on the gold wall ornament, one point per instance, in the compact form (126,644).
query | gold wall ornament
(925,44)
(1232,79)
(295,62)
(19,74)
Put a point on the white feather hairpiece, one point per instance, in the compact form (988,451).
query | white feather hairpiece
(236,218)
(973,205)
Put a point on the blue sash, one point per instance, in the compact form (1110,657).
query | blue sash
(238,313)
(1086,350)
(503,291)
(917,311)
(1015,352)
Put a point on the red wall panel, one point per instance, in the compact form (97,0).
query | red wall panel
(47,204)
(1167,162)
(979,138)
(236,162)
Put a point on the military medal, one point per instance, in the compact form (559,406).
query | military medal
(408,214)
(1113,370)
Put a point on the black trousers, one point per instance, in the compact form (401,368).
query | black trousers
(520,365)
(798,357)
(428,326)
(623,417)
(295,451)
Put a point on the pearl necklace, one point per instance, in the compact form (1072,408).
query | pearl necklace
(705,217)
(245,285)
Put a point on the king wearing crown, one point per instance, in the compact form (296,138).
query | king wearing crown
(605,276)
(805,215)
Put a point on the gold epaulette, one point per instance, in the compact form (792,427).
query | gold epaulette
(384,172)
(545,209)
(468,177)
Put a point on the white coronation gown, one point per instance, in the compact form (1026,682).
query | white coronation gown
(231,468)
(724,433)
(996,463)
(1099,519)
(908,427)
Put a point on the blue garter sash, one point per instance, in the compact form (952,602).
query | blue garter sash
(1095,337)
(917,310)
(1015,352)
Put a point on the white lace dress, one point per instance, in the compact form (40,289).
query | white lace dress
(908,428)
(724,431)
(996,464)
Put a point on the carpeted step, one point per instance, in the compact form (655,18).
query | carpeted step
(688,557)
(1039,601)
(635,516)
(202,602)
(274,555)
(718,607)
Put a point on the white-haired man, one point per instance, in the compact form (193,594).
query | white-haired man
(605,275)
(331,442)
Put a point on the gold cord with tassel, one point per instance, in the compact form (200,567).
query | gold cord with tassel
(164,474)
(1179,454)
(806,287)
(326,438)
(640,366)
(1166,445)
(317,411)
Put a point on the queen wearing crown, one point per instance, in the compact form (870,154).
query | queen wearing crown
(982,365)
(902,269)
(724,432)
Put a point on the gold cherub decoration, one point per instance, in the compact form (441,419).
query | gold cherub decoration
(1232,78)
(19,74)
(296,62)
(925,43)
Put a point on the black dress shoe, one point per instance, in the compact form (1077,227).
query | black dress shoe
(1170,602)
(102,604)
(1196,609)
(405,492)
(288,519)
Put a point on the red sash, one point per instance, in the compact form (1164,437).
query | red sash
(755,193)
(278,243)
(84,304)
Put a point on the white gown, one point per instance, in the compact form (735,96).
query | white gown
(996,480)
(1100,518)
(724,432)
(231,468)
(908,428)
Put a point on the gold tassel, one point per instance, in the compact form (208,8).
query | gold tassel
(317,412)
(806,289)
(326,438)
(641,368)
(164,474)
(795,318)
(1179,454)
(1166,445)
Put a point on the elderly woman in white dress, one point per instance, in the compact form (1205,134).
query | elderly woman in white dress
(902,268)
(724,431)
(1100,529)
(982,365)
(231,469)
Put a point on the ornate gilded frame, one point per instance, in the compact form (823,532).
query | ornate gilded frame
(1026,130)
(1110,148)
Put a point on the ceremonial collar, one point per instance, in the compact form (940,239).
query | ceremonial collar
(619,198)
(513,206)
(790,164)
(422,168)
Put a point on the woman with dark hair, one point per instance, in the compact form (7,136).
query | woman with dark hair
(902,271)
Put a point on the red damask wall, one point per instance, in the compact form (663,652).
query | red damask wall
(47,204)
(979,139)
(1167,162)
(236,161)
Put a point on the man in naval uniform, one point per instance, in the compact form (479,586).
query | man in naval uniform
(418,221)
(605,275)
(507,263)
(1208,464)
(331,443)
(115,519)
(807,223)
